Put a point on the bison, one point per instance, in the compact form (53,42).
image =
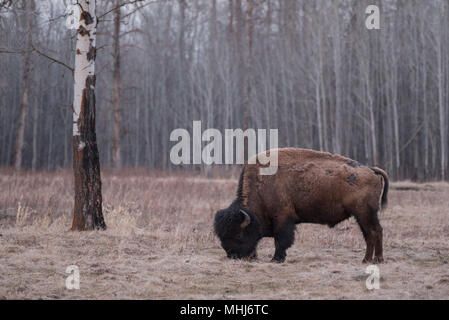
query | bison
(308,187)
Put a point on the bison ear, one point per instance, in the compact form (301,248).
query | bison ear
(246,220)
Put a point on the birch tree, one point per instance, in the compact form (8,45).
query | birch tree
(88,213)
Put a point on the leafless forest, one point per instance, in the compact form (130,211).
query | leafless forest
(308,68)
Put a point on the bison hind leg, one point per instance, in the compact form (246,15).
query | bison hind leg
(372,232)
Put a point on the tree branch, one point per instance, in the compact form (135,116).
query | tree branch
(33,49)
(117,7)
(14,52)
(53,59)
(138,8)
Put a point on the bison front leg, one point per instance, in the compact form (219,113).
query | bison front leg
(283,239)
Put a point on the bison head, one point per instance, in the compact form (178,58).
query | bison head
(238,231)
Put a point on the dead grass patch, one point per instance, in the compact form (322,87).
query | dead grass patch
(159,244)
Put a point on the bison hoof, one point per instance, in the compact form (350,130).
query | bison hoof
(378,259)
(278,259)
(250,259)
(367,260)
(375,260)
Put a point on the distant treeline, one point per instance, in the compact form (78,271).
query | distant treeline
(309,68)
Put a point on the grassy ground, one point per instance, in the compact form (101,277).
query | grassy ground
(159,244)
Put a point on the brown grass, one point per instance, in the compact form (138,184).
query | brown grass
(159,244)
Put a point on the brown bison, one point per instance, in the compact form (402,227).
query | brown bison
(308,187)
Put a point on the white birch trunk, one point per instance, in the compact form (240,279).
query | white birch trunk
(84,67)
(86,164)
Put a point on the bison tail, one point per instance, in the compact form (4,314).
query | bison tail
(384,200)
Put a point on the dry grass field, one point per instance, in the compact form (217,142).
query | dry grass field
(160,245)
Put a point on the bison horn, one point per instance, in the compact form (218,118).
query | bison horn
(247,220)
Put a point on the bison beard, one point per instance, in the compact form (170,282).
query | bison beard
(309,187)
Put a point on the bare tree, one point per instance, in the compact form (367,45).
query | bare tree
(441,89)
(88,213)
(116,143)
(26,87)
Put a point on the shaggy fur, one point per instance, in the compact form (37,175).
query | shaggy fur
(309,187)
